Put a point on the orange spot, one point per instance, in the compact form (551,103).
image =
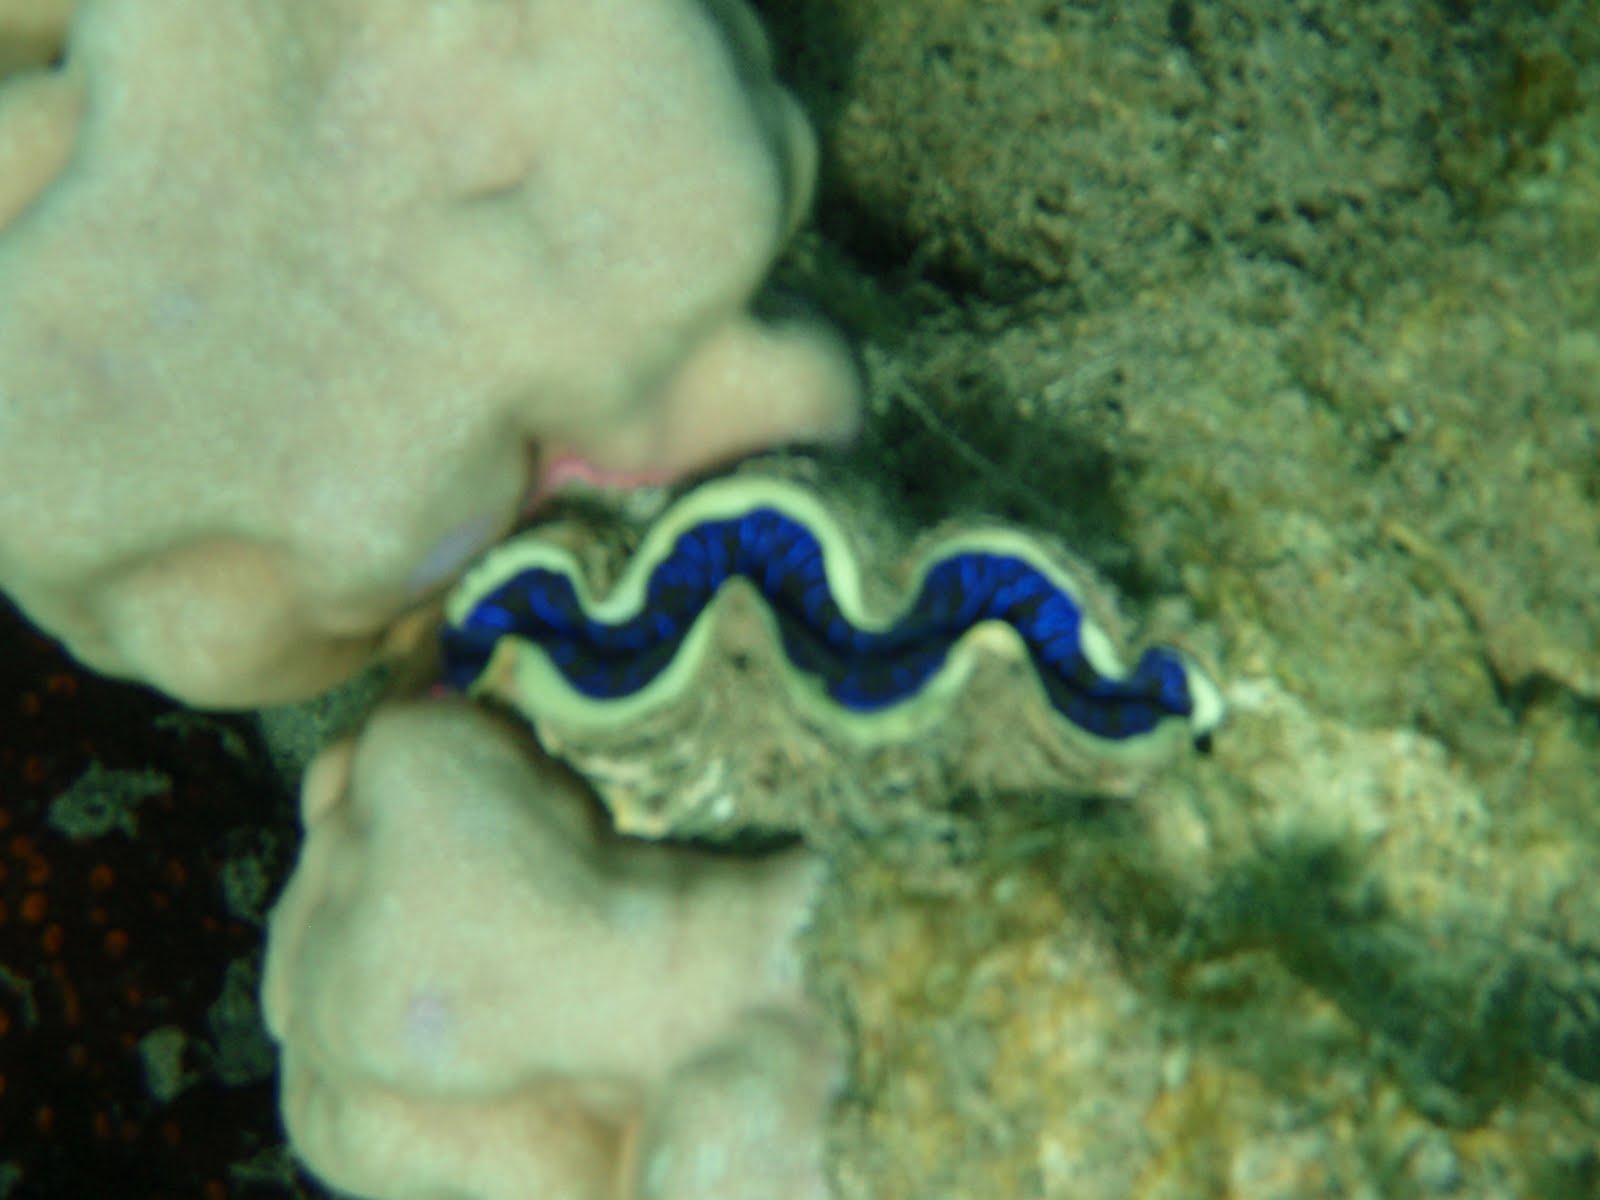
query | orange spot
(5,818)
(99,915)
(134,996)
(175,873)
(21,846)
(34,769)
(2,1083)
(102,1126)
(5,913)
(116,942)
(38,872)
(44,1119)
(159,901)
(216,1190)
(71,1005)
(30,704)
(101,877)
(52,939)
(62,684)
(34,906)
(171,1133)
(5,1022)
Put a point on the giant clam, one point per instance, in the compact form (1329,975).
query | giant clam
(754,645)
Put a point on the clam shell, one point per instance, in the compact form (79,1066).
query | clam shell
(731,736)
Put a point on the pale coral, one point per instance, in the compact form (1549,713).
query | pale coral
(299,297)
(483,993)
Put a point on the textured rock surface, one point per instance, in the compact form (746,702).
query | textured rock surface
(1282,317)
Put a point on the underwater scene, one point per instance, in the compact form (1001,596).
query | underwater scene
(895,600)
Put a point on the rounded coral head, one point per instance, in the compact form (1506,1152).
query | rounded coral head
(475,982)
(349,275)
